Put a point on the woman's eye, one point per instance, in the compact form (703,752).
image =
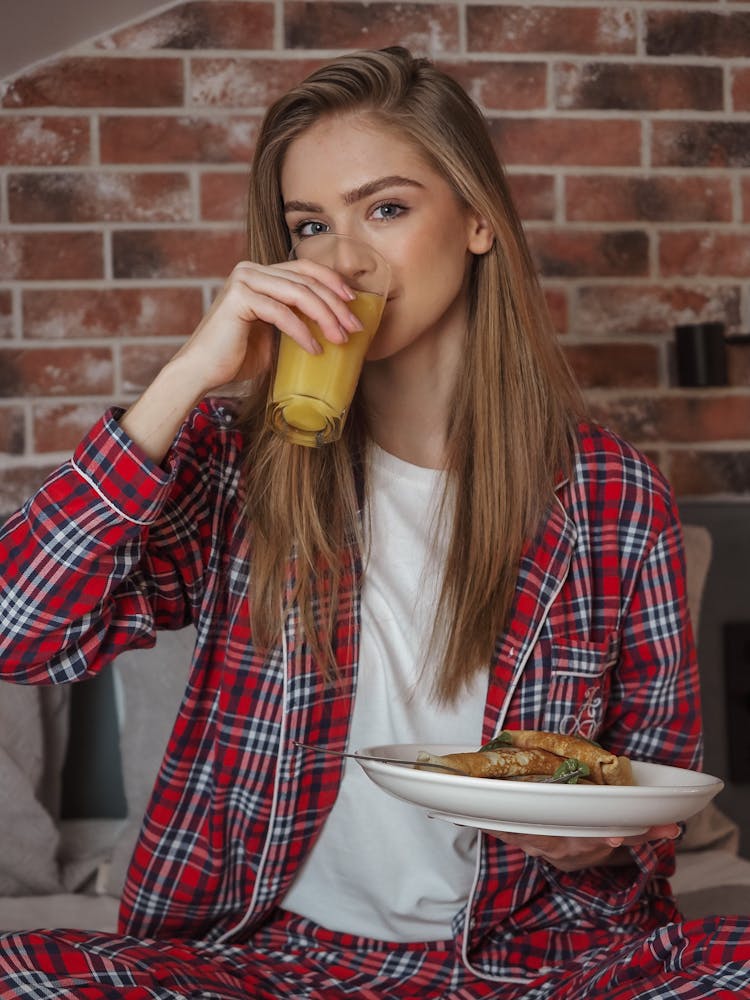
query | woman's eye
(388,210)
(304,229)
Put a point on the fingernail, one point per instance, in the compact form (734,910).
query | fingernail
(353,323)
(349,293)
(316,347)
(344,333)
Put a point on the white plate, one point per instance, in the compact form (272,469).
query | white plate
(662,795)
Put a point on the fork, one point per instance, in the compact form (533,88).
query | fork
(380,760)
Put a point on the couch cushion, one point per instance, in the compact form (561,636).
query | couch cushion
(74,910)
(711,882)
(709,828)
(698,552)
(33,733)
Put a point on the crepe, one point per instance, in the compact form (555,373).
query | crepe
(533,755)
(605,768)
(505,762)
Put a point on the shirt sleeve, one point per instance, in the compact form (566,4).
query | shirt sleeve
(108,550)
(655,709)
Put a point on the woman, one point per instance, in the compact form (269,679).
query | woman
(468,557)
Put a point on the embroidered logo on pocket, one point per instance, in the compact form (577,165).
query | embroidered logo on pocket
(588,719)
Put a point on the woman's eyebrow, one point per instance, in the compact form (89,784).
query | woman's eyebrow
(372,187)
(357,194)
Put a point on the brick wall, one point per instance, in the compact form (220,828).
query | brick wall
(625,127)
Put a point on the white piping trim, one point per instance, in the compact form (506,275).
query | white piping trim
(274,803)
(106,499)
(503,712)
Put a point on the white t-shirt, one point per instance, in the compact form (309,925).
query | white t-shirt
(381,867)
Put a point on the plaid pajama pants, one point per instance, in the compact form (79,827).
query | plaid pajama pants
(292,958)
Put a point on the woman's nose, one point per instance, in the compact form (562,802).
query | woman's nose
(352,258)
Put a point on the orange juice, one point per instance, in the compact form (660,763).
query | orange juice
(312,392)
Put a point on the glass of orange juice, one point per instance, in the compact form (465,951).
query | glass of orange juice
(311,393)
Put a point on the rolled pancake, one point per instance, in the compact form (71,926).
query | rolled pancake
(605,768)
(507,762)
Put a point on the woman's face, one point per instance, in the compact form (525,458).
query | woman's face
(349,175)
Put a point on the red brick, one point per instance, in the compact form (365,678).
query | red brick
(223,196)
(19,482)
(612,310)
(62,313)
(12,431)
(746,199)
(55,371)
(679,417)
(193,139)
(699,33)
(516,86)
(42,256)
(60,426)
(548,142)
(741,89)
(738,362)
(93,82)
(608,365)
(44,142)
(142,362)
(184,253)
(106,196)
(500,28)
(638,87)
(557,306)
(575,254)
(701,144)
(534,195)
(655,198)
(705,253)
(702,473)
(245,83)
(219,24)
(6,314)
(430,27)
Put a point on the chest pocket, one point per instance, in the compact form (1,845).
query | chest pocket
(579,687)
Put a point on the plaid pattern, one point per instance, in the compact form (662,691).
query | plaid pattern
(112,549)
(291,958)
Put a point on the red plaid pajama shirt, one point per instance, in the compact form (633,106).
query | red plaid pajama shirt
(112,548)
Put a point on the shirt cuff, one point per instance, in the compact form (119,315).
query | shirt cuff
(612,890)
(120,472)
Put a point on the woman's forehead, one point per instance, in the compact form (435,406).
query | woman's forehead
(347,151)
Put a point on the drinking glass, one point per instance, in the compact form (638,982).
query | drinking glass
(311,393)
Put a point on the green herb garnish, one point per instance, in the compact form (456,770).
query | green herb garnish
(570,772)
(498,742)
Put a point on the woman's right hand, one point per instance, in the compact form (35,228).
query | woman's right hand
(233,341)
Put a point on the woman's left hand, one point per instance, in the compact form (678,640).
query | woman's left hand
(571,854)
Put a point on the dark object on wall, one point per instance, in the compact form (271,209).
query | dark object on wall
(701,351)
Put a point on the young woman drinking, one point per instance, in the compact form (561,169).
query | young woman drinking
(470,556)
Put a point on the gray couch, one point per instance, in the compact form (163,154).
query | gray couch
(69,872)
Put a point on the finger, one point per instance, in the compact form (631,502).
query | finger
(323,274)
(253,308)
(302,287)
(667,831)
(277,314)
(263,295)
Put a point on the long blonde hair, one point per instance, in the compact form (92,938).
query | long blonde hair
(516,404)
